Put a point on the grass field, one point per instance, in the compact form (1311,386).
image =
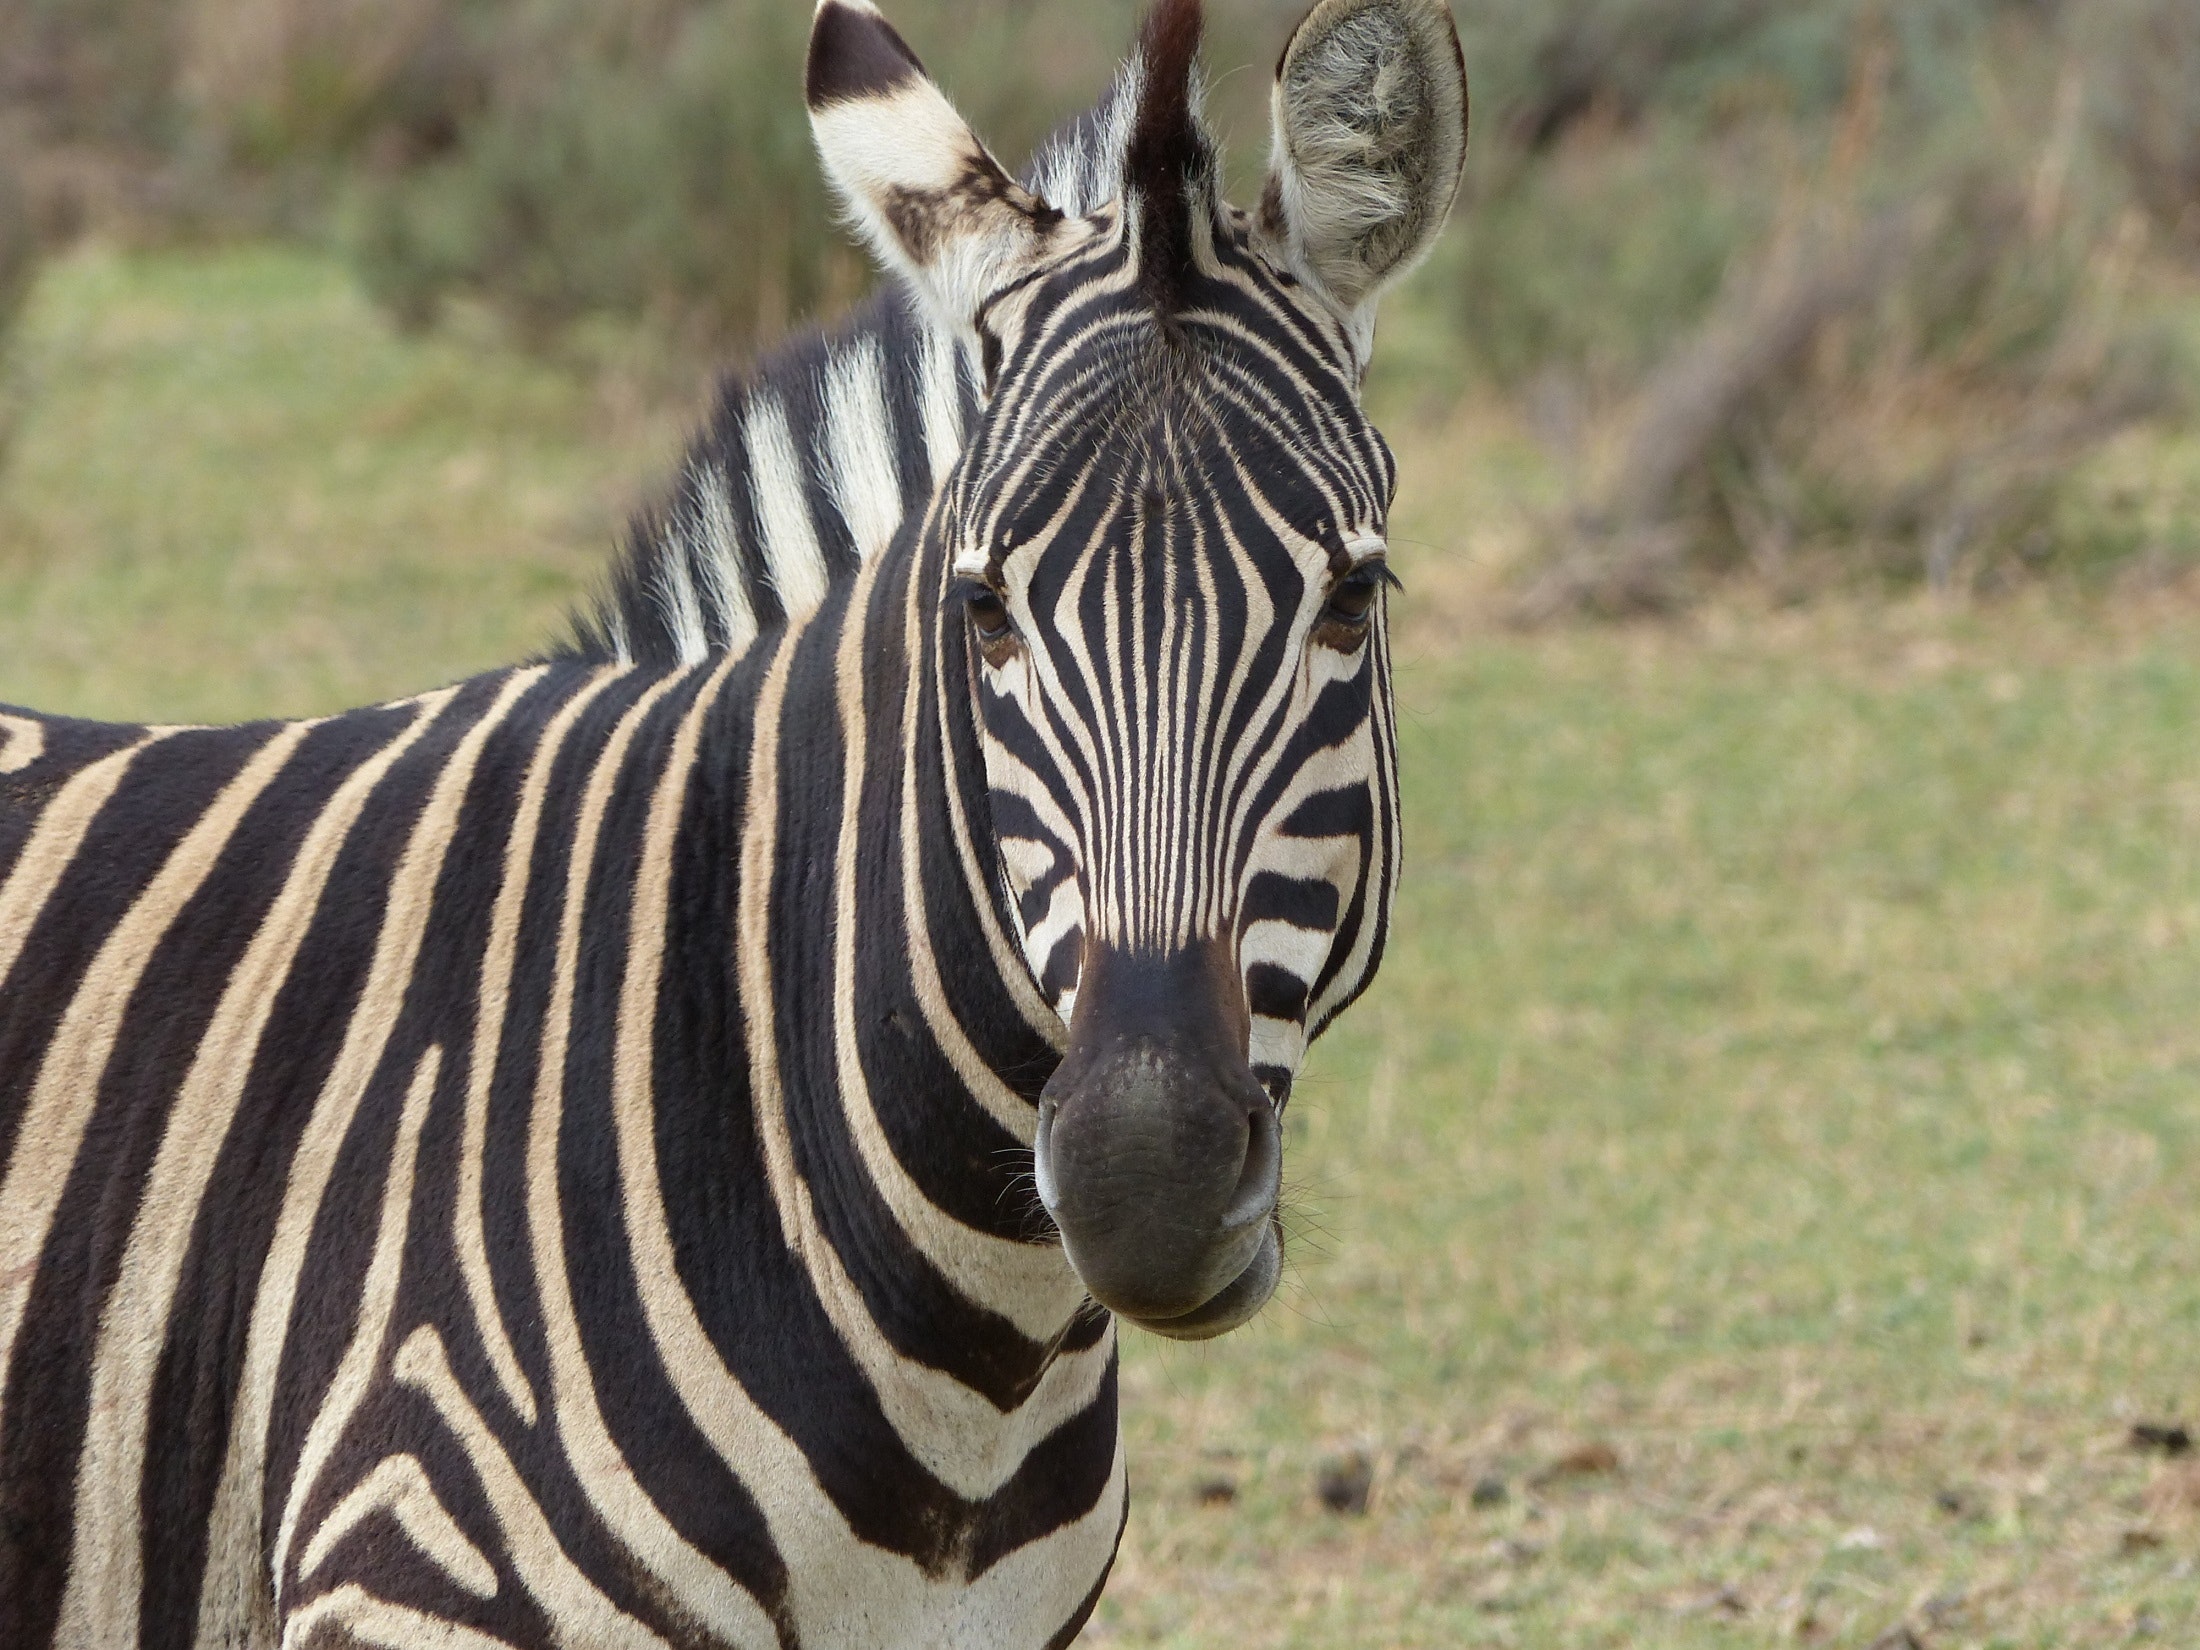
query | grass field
(230,491)
(1759,1200)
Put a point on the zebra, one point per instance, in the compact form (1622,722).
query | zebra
(653,1147)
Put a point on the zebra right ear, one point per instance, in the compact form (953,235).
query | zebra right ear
(936,208)
(1370,113)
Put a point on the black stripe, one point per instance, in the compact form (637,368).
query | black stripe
(854,55)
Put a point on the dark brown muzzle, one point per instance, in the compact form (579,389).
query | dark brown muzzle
(1159,1154)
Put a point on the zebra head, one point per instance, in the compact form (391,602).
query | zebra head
(1165,579)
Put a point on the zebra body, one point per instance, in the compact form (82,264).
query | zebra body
(634,1150)
(504,1115)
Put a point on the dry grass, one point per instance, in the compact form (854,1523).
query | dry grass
(1764,1171)
(232,491)
(1784,1080)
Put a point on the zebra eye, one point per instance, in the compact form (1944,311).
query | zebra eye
(989,614)
(1354,598)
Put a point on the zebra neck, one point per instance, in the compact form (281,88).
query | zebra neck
(875,1018)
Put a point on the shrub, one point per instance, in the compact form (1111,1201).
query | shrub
(2148,98)
(18,264)
(656,160)
(92,72)
(675,181)
(1819,288)
(1821,341)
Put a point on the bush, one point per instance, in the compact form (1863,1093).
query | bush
(1592,260)
(1865,336)
(1818,288)
(555,159)
(92,72)
(18,264)
(2148,98)
(674,182)
(662,167)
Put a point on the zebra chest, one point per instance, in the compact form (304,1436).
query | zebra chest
(610,1401)
(605,1523)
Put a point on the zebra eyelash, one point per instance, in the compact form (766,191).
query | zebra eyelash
(963,591)
(1375,573)
(1351,603)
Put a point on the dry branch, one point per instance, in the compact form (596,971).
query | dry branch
(1624,552)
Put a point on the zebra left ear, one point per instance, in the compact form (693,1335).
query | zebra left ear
(935,206)
(1370,113)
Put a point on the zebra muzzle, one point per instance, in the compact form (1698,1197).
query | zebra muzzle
(1159,1154)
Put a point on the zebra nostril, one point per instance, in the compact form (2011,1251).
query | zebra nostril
(1261,1179)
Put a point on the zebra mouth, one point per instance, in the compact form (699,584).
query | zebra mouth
(1171,1251)
(1159,1155)
(1238,1304)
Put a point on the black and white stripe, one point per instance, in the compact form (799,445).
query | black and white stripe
(804,472)
(600,1155)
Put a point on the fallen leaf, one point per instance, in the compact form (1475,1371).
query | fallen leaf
(1597,1460)
(2161,1438)
(1343,1484)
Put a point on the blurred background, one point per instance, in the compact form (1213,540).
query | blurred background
(1757,1205)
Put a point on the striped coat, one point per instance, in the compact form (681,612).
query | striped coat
(564,1160)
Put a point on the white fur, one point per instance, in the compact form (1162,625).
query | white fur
(1370,117)
(910,143)
(860,473)
(794,565)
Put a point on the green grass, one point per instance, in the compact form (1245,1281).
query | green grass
(231,490)
(1786,1076)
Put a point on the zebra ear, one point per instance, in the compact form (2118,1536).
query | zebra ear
(936,208)
(1370,113)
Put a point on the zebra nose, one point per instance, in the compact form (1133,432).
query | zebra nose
(1162,1179)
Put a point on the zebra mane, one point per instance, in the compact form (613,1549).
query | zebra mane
(809,464)
(804,469)
(1169,167)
